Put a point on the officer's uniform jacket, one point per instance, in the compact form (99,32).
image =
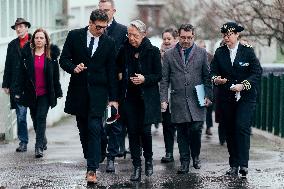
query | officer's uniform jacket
(246,70)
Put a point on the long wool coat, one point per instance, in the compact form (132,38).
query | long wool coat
(183,77)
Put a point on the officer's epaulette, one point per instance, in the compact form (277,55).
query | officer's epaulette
(247,45)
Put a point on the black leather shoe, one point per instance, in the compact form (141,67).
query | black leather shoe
(243,171)
(184,168)
(22,148)
(136,175)
(233,171)
(110,166)
(148,168)
(196,163)
(167,158)
(38,152)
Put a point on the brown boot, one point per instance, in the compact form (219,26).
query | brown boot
(91,177)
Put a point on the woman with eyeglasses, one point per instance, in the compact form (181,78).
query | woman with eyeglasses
(140,70)
(236,72)
(38,85)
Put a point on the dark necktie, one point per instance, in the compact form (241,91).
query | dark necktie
(185,53)
(90,48)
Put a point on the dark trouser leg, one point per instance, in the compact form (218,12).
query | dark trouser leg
(222,133)
(195,131)
(82,124)
(168,131)
(244,115)
(183,141)
(21,113)
(209,122)
(134,110)
(122,138)
(39,114)
(147,142)
(114,131)
(228,112)
(94,143)
(104,142)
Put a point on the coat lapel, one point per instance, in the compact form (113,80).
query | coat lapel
(238,56)
(178,58)
(83,38)
(100,45)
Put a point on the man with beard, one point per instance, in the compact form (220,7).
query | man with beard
(184,67)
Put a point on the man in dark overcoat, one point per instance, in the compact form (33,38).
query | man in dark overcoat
(89,56)
(13,59)
(184,67)
(116,132)
(236,72)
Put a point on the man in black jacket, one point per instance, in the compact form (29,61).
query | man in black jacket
(13,59)
(116,132)
(89,56)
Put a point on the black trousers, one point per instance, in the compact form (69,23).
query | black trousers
(113,132)
(90,137)
(236,117)
(139,134)
(38,114)
(169,130)
(189,139)
(209,121)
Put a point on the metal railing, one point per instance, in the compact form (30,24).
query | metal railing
(269,115)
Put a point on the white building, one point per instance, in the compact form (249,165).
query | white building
(79,11)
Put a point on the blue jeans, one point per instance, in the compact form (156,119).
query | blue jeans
(21,113)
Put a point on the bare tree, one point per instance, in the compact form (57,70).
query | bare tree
(262,19)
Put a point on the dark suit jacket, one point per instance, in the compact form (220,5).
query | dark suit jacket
(25,82)
(89,91)
(118,33)
(246,69)
(13,58)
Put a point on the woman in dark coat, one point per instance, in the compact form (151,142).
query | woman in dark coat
(37,85)
(140,70)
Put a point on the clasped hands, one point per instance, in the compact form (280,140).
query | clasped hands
(137,79)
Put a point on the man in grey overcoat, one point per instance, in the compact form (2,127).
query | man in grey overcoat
(184,67)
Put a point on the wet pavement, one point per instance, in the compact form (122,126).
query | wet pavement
(63,165)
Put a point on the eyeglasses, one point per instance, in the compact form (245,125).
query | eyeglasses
(228,35)
(136,36)
(186,37)
(98,27)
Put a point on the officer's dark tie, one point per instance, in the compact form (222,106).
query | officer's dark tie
(90,48)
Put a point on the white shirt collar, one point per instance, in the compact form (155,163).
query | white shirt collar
(235,48)
(233,52)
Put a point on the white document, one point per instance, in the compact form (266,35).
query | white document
(200,91)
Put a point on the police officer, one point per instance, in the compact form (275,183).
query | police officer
(236,72)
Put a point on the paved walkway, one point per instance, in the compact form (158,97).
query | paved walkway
(64,167)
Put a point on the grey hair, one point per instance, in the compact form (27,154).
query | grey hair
(139,25)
